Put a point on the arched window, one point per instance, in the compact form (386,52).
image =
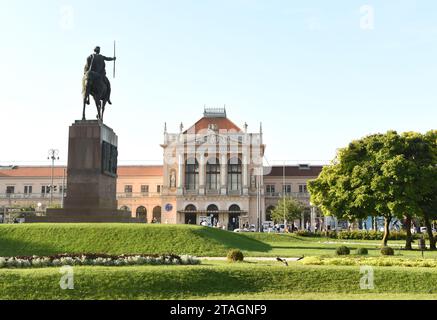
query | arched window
(213,174)
(212,208)
(190,214)
(142,214)
(234,208)
(234,174)
(191,207)
(191,174)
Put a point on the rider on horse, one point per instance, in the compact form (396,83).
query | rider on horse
(96,63)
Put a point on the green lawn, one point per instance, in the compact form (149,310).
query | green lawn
(47,239)
(220,281)
(213,279)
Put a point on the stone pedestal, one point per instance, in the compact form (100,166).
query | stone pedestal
(91,177)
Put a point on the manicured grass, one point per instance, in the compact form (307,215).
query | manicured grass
(47,239)
(290,245)
(219,281)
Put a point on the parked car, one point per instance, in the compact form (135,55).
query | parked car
(268,226)
(280,228)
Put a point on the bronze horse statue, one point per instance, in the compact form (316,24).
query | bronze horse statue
(93,84)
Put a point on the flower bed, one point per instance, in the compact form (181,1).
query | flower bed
(371,261)
(95,260)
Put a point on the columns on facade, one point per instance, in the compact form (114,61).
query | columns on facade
(245,177)
(223,173)
(181,169)
(202,174)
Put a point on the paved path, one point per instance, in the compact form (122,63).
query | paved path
(248,258)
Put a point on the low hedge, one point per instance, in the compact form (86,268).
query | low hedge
(360,235)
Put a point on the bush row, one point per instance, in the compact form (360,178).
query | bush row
(345,251)
(95,260)
(361,235)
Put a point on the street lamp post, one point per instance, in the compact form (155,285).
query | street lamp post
(53,155)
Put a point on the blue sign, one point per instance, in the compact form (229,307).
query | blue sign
(168,207)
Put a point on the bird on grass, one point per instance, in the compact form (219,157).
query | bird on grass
(283,261)
(298,259)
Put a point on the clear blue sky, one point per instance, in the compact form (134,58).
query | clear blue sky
(305,69)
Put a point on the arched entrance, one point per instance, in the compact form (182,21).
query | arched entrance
(234,217)
(213,212)
(191,214)
(125,208)
(142,214)
(157,214)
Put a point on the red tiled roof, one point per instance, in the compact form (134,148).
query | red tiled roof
(59,171)
(295,171)
(221,123)
(32,172)
(140,170)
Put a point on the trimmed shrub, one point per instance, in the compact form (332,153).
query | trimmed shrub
(360,235)
(362,252)
(235,255)
(387,251)
(342,251)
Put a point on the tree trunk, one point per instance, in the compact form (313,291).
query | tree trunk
(409,239)
(387,221)
(428,226)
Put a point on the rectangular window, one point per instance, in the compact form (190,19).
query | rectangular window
(158,188)
(286,188)
(128,189)
(303,188)
(45,190)
(144,189)
(270,188)
(10,190)
(27,189)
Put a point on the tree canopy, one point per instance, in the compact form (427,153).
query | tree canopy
(388,175)
(288,209)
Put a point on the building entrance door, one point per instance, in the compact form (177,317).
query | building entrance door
(234,221)
(191,218)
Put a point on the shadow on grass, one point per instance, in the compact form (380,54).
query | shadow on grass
(14,248)
(232,240)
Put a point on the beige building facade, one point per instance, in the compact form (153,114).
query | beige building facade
(212,173)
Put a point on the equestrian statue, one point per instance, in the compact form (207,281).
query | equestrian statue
(95,82)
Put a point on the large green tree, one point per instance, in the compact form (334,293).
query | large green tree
(287,209)
(388,175)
